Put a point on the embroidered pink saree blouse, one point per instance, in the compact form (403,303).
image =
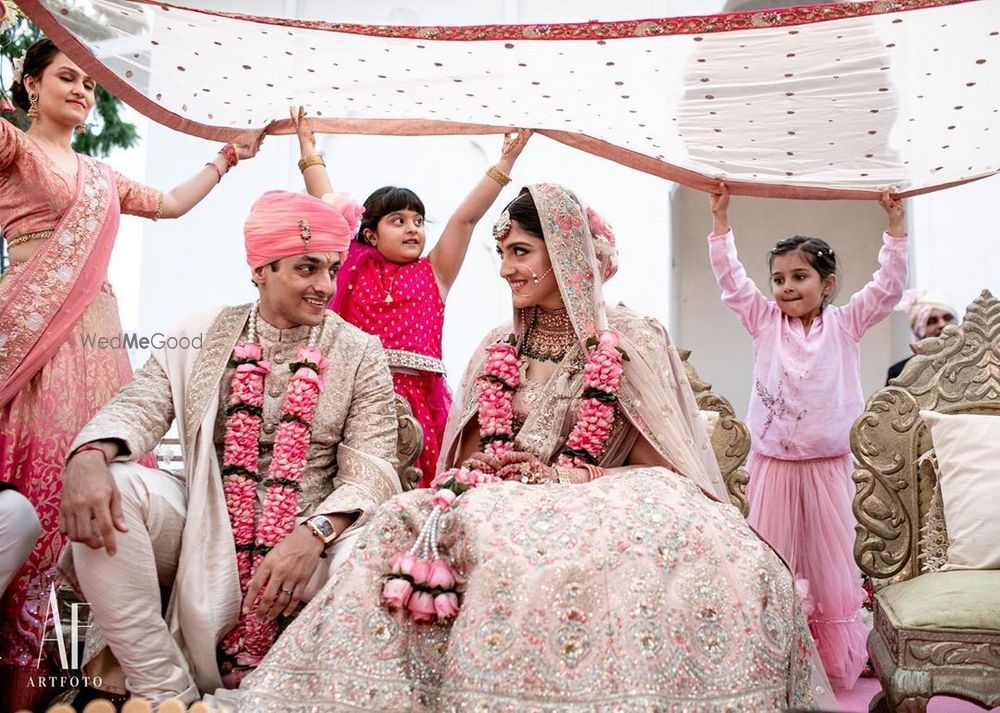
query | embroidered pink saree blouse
(34,194)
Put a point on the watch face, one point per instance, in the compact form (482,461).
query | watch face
(324,527)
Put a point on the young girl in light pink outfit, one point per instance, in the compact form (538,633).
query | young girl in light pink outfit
(806,395)
(388,288)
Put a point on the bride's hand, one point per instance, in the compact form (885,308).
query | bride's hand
(525,468)
(513,145)
(483,462)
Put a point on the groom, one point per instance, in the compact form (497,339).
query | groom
(288,430)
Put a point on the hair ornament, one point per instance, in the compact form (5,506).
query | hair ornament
(502,227)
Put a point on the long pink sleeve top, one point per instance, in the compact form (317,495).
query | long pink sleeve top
(807,387)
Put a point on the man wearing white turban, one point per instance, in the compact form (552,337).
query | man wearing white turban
(279,472)
(929,313)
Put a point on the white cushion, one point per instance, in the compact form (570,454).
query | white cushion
(968,453)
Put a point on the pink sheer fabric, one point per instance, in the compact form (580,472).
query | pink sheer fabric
(785,498)
(36,429)
(402,305)
(53,377)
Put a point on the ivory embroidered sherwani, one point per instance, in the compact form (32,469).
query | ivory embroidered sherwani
(179,532)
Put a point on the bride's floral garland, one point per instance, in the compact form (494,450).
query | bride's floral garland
(251,639)
(420,583)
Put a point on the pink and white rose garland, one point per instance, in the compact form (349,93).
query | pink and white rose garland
(251,639)
(420,583)
(601,379)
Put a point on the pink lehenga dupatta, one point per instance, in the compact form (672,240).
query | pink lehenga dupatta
(42,300)
(51,383)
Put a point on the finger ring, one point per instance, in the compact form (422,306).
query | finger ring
(286,591)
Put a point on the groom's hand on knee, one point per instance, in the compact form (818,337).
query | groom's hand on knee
(90,510)
(280,581)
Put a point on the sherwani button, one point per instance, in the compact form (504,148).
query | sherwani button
(274,391)
(269,428)
(279,358)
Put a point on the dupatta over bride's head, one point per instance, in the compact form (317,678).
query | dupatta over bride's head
(654,395)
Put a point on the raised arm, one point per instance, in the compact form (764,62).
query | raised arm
(448,255)
(739,292)
(311,164)
(873,302)
(11,143)
(185,196)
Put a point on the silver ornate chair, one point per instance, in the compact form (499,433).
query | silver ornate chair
(730,439)
(935,632)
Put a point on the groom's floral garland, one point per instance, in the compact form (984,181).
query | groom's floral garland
(251,639)
(420,583)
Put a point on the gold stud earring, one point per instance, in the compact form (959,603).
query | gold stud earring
(32,105)
(81,128)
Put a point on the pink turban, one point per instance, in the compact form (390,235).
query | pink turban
(283,223)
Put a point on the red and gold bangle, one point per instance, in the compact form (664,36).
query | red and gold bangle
(231,154)
(594,471)
(92,447)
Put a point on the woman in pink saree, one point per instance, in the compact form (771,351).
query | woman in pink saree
(628,583)
(59,212)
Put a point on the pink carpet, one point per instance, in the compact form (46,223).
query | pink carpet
(856,700)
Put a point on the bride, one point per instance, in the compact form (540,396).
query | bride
(598,564)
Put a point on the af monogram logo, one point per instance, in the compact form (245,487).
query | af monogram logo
(69,637)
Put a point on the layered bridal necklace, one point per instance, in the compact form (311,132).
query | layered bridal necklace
(549,336)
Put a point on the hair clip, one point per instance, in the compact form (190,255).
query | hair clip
(819,253)
(305,232)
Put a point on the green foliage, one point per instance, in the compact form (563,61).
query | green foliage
(105,130)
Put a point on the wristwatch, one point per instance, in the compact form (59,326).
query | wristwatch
(323,528)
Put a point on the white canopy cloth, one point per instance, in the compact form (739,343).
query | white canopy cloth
(828,101)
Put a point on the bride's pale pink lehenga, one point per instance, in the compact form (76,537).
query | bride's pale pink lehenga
(51,381)
(642,590)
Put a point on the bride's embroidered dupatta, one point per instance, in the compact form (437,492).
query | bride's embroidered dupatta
(654,397)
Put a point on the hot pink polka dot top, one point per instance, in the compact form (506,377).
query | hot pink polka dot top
(401,304)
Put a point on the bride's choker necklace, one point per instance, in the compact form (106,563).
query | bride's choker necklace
(549,335)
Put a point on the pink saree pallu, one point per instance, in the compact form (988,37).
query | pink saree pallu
(54,376)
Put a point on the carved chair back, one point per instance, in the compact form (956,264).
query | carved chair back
(730,439)
(957,372)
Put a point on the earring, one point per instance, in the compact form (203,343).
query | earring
(81,128)
(32,105)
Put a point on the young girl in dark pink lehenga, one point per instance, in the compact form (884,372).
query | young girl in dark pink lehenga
(388,288)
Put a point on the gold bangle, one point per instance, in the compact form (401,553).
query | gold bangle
(497,175)
(314,160)
(564,474)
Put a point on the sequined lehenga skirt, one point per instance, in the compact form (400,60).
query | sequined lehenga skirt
(36,429)
(631,593)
